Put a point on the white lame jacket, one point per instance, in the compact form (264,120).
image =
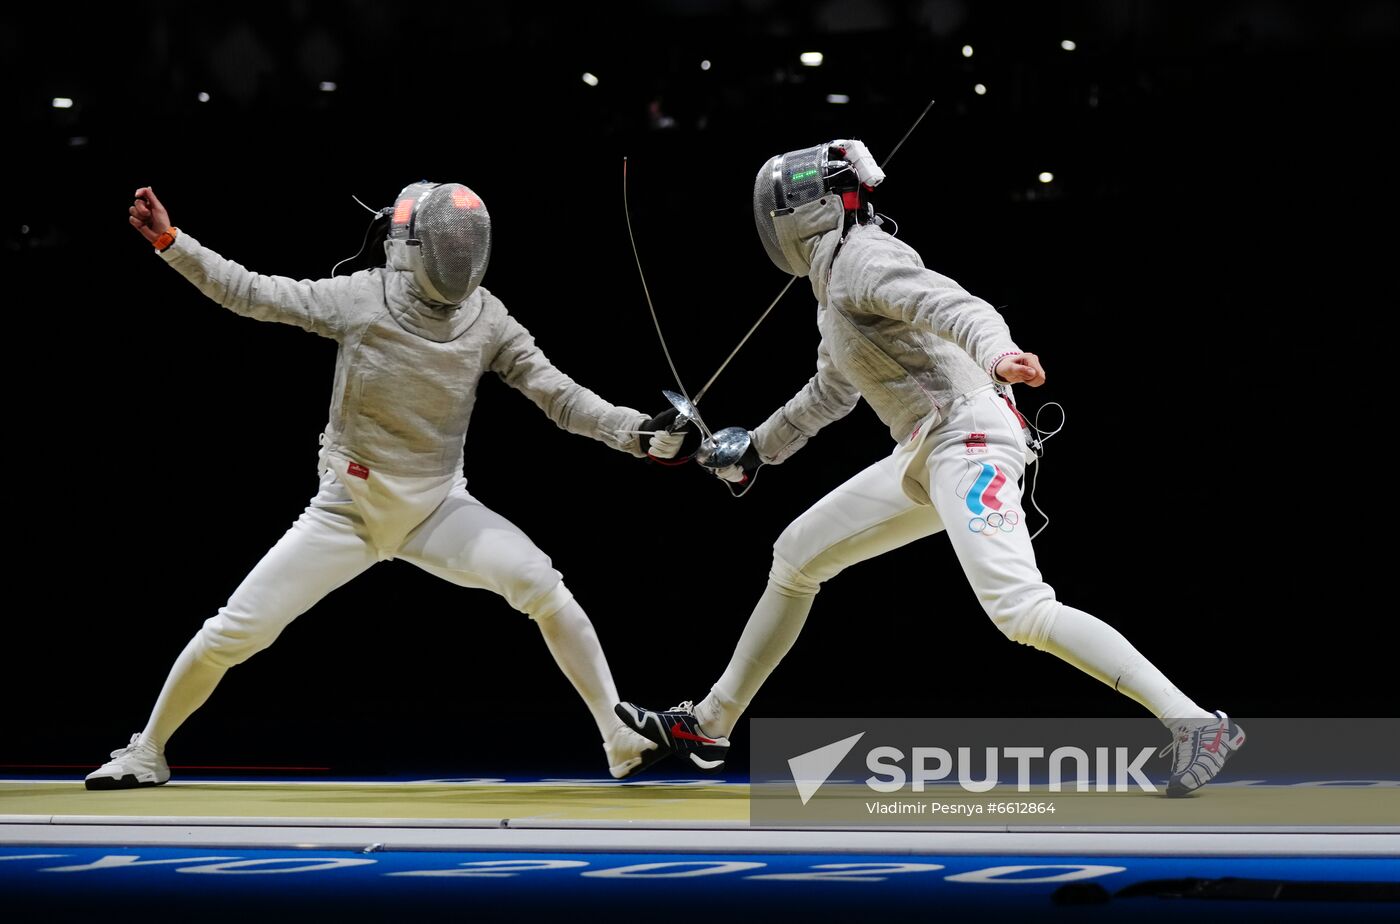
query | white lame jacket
(903,337)
(406,373)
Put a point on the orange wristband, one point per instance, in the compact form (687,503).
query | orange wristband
(166,238)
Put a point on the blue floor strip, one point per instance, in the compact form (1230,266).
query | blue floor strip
(110,884)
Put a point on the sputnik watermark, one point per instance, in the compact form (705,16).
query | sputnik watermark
(1000,807)
(951,772)
(886,763)
(1115,768)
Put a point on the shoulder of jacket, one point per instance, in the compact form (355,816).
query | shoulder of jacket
(500,325)
(875,243)
(368,298)
(493,311)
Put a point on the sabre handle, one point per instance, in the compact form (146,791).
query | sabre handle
(668,434)
(862,161)
(743,471)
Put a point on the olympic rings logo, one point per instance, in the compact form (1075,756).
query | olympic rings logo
(994,523)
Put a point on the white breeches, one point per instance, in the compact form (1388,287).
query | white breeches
(461,541)
(947,479)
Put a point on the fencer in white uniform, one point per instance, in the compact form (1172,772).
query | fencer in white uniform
(415,337)
(936,364)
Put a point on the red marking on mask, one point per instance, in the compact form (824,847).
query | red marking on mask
(464,198)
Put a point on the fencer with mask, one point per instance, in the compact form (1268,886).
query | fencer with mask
(415,337)
(936,364)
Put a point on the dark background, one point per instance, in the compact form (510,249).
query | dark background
(1207,281)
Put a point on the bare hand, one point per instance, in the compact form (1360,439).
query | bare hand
(148,216)
(1023,367)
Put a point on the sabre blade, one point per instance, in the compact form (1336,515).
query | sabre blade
(627,211)
(890,156)
(771,305)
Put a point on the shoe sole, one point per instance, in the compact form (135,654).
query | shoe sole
(650,758)
(644,729)
(129,781)
(706,766)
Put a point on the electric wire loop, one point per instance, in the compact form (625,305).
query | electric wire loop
(364,243)
(1041,436)
(746,487)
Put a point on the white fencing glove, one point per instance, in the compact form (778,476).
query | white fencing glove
(662,444)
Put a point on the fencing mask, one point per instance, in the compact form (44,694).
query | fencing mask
(441,233)
(801,195)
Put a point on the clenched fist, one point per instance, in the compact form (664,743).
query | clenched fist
(148,216)
(1023,367)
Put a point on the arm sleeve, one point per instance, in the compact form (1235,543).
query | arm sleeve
(828,396)
(900,288)
(524,367)
(319,306)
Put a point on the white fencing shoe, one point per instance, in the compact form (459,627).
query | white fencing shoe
(131,766)
(629,753)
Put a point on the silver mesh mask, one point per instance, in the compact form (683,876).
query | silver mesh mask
(788,181)
(445,232)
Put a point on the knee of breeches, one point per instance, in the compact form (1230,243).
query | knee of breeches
(226,639)
(1026,617)
(544,605)
(790,579)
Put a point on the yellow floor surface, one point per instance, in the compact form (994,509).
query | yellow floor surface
(672,803)
(703,804)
